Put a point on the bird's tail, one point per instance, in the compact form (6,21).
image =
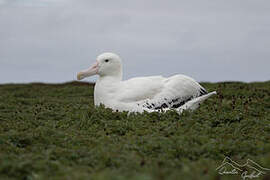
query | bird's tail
(195,103)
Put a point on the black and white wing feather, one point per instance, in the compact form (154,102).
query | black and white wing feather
(157,92)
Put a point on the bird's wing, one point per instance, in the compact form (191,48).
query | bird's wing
(157,92)
(181,86)
(140,89)
(176,91)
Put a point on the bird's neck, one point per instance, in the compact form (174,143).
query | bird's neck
(109,79)
(112,77)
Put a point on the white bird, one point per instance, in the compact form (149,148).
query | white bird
(153,93)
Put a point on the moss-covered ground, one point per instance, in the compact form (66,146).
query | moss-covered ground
(55,132)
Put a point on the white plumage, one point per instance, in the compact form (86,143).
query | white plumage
(140,94)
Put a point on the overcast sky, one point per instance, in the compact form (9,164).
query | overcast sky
(209,40)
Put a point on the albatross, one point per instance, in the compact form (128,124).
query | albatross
(151,94)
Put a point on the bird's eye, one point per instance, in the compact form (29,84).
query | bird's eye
(106,60)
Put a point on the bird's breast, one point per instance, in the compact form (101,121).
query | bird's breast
(104,93)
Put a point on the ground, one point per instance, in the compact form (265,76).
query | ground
(55,132)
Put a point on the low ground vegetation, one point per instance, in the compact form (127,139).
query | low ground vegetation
(55,132)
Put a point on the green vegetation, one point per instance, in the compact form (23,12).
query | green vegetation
(55,132)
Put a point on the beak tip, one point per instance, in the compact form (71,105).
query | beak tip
(79,76)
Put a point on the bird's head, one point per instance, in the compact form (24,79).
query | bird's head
(107,64)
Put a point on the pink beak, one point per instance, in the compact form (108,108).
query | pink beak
(88,72)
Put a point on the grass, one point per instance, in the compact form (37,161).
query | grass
(55,132)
